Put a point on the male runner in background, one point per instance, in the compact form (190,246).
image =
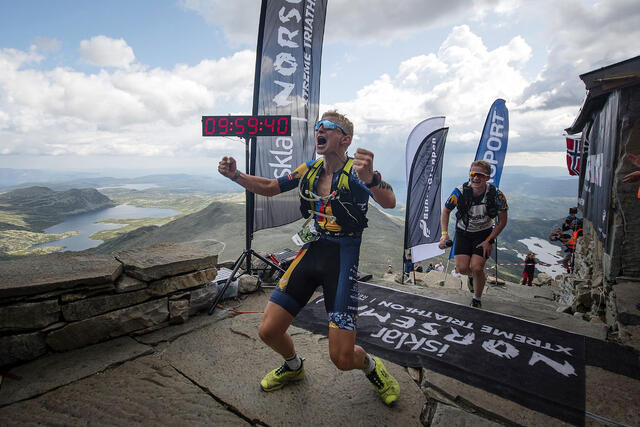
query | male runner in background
(478,203)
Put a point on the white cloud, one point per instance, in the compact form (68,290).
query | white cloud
(583,37)
(123,112)
(238,19)
(46,44)
(103,51)
(460,81)
(354,21)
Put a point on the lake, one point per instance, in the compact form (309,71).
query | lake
(86,224)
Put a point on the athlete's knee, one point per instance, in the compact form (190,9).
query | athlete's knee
(477,268)
(463,269)
(268,333)
(342,359)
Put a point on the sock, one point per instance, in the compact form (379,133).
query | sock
(294,363)
(371,365)
(476,298)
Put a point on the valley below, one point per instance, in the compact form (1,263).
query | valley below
(216,221)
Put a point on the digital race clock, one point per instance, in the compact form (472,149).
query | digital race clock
(246,126)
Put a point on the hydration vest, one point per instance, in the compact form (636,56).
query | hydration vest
(348,215)
(466,200)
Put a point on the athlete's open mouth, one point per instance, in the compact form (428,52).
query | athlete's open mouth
(321,140)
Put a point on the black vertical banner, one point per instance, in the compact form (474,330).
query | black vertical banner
(289,84)
(422,226)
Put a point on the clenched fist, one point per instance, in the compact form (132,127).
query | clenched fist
(227,167)
(363,164)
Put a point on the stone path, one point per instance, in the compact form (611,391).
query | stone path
(206,372)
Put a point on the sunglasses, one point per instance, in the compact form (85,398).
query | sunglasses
(328,124)
(479,174)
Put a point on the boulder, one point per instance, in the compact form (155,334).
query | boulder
(248,284)
(543,279)
(178,311)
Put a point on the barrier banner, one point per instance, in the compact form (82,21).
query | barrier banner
(289,84)
(537,366)
(422,224)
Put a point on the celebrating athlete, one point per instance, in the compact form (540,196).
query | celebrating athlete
(335,190)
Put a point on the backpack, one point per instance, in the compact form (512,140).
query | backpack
(466,200)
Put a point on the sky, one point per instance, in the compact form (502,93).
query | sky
(122,85)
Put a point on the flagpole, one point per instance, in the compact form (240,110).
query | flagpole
(250,151)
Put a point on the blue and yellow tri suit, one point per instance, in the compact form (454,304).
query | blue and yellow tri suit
(330,261)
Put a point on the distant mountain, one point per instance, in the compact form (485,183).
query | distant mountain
(183,183)
(11,178)
(42,207)
(381,245)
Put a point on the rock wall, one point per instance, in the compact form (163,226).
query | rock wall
(62,301)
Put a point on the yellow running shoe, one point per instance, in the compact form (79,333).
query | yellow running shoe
(387,386)
(277,378)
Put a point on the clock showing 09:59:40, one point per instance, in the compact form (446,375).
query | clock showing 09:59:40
(246,126)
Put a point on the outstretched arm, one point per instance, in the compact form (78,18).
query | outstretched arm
(255,184)
(382,193)
(444,225)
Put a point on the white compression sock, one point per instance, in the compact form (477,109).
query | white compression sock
(370,366)
(294,363)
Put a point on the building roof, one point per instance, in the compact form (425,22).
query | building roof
(599,83)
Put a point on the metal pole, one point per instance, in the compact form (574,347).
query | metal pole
(251,143)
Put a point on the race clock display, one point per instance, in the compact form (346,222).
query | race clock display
(246,126)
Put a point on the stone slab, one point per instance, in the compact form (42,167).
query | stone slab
(20,347)
(38,274)
(164,259)
(488,402)
(229,360)
(29,316)
(56,370)
(612,396)
(145,391)
(627,297)
(82,309)
(109,325)
(128,284)
(450,416)
(181,282)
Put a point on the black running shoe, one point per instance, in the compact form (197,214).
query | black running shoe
(470,283)
(475,303)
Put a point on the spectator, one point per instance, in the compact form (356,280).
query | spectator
(529,269)
(419,268)
(389,269)
(633,176)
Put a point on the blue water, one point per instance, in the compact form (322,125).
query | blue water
(86,224)
(139,187)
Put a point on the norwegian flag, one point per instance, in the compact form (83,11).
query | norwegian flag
(574,151)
